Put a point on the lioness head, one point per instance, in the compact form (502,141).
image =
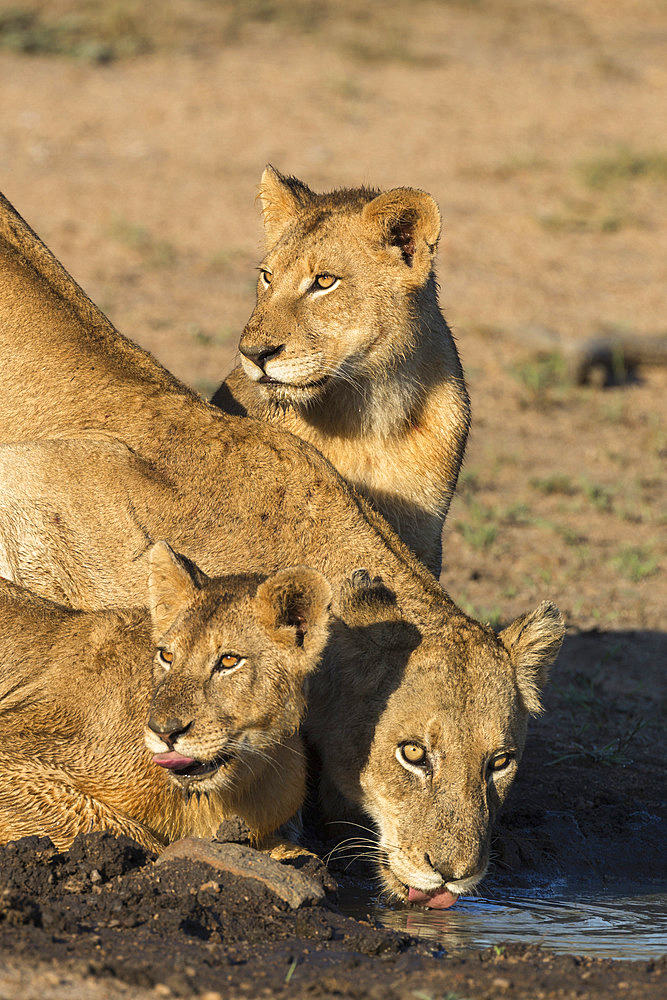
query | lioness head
(439,745)
(232,657)
(336,290)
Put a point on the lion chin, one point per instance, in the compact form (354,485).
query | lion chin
(289,394)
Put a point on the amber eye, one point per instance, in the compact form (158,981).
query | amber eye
(228,662)
(165,656)
(412,753)
(266,277)
(325,280)
(500,761)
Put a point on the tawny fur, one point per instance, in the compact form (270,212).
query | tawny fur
(433,823)
(139,457)
(78,687)
(366,370)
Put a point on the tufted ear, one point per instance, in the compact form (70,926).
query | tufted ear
(294,604)
(173,582)
(533,642)
(281,198)
(409,221)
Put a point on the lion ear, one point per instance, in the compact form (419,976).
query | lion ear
(533,642)
(293,607)
(406,221)
(281,198)
(173,582)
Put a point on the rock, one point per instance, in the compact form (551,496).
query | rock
(238,859)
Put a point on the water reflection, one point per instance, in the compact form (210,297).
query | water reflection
(607,923)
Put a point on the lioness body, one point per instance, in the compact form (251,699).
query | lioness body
(77,689)
(150,460)
(365,368)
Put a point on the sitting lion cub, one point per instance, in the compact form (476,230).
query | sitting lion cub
(347,348)
(211,679)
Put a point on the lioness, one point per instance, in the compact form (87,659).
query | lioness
(211,677)
(348,349)
(140,457)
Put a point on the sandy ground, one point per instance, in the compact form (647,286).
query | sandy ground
(535,127)
(135,150)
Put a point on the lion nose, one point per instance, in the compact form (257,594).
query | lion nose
(260,354)
(168,729)
(444,870)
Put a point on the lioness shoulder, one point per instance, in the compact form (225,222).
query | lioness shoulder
(347,348)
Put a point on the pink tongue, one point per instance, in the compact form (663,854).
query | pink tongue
(433,900)
(172,759)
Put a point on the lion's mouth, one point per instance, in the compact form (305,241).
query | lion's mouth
(441,899)
(190,767)
(317,384)
(432,899)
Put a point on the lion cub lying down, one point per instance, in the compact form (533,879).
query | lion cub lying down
(209,682)
(347,348)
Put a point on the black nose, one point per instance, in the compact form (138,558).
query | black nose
(260,354)
(168,729)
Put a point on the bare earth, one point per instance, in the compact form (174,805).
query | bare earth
(132,138)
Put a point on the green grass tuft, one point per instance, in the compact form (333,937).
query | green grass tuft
(623,166)
(635,562)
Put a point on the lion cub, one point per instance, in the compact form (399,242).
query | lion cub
(158,723)
(347,348)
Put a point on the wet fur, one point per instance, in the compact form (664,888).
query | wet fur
(77,689)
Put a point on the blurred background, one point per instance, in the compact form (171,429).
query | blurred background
(133,136)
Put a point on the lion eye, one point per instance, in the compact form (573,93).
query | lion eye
(165,657)
(500,761)
(266,277)
(228,662)
(325,280)
(412,753)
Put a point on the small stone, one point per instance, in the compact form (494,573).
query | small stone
(210,995)
(501,983)
(289,885)
(233,830)
(76,883)
(95,876)
(161,990)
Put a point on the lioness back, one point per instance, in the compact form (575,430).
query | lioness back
(159,723)
(347,348)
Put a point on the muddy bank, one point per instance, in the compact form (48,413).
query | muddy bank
(104,921)
(105,912)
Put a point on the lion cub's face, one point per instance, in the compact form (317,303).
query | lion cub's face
(337,285)
(233,654)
